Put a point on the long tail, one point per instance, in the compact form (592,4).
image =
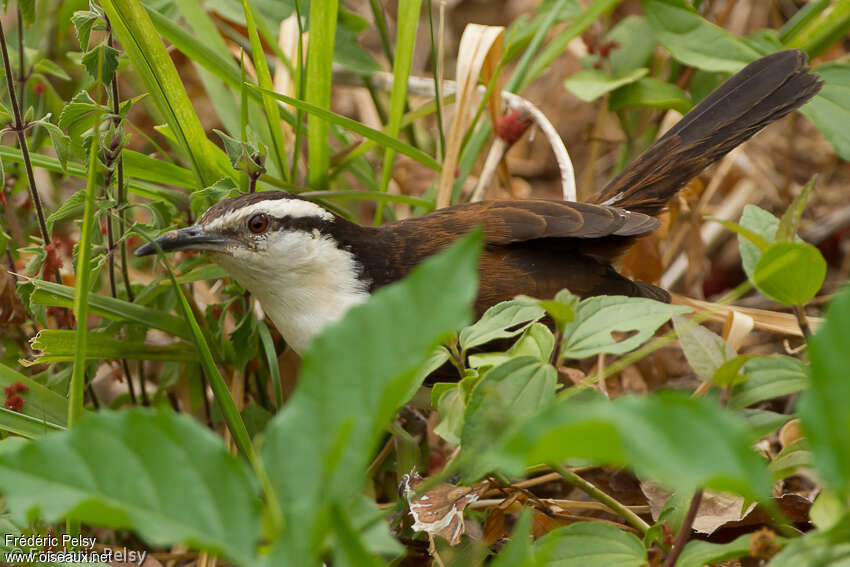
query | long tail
(763,91)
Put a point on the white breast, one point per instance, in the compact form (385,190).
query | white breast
(303,281)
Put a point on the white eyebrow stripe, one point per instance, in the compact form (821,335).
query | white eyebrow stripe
(279,208)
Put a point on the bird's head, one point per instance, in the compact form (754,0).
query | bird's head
(289,252)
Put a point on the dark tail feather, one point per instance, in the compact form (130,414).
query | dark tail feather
(763,91)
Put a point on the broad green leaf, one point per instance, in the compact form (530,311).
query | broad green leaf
(650,93)
(818,548)
(759,222)
(59,346)
(562,308)
(83,22)
(537,341)
(705,351)
(790,272)
(699,553)
(150,59)
(186,486)
(730,372)
(769,377)
(48,67)
(591,84)
(354,377)
(72,207)
(503,320)
(681,442)
(829,110)
(101,63)
(695,41)
(823,407)
(793,458)
(827,510)
(590,544)
(450,407)
(157,170)
(590,333)
(61,142)
(635,43)
(508,393)
(762,422)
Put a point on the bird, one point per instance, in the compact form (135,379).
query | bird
(307,266)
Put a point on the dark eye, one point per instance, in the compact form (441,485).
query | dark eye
(258,223)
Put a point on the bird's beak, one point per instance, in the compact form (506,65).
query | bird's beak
(189,238)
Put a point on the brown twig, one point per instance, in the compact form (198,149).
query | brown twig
(20,130)
(685,532)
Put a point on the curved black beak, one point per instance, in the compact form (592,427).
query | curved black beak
(189,238)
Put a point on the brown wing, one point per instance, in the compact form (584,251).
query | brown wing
(509,222)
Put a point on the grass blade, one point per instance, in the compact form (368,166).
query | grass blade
(318,87)
(376,136)
(408,22)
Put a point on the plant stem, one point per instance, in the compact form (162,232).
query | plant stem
(21,59)
(802,321)
(18,127)
(685,531)
(588,488)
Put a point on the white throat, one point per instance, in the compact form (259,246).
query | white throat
(303,281)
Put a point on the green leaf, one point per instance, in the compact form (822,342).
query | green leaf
(635,40)
(793,458)
(72,207)
(590,544)
(681,442)
(186,486)
(503,320)
(264,78)
(52,294)
(706,352)
(695,41)
(762,423)
(408,23)
(508,393)
(450,407)
(818,548)
(699,553)
(596,318)
(356,127)
(769,377)
(48,67)
(61,142)
(537,341)
(790,221)
(25,425)
(354,377)
(101,62)
(323,18)
(761,223)
(790,272)
(562,308)
(83,22)
(827,510)
(829,110)
(518,550)
(591,84)
(245,156)
(150,59)
(41,403)
(650,93)
(822,31)
(27,11)
(823,407)
(58,346)
(730,372)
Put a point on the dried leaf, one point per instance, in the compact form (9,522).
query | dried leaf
(478,56)
(440,510)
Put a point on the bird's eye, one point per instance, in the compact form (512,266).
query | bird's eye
(258,223)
